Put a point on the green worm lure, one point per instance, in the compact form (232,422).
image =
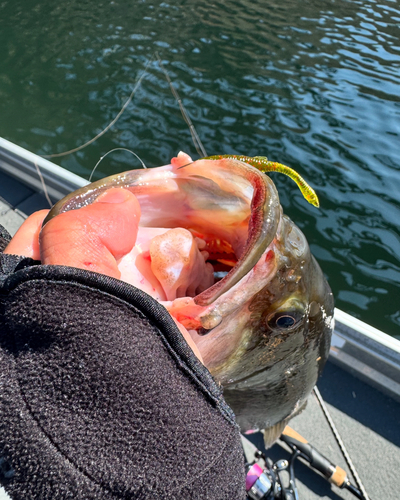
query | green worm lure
(264,165)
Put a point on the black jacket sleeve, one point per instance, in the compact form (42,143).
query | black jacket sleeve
(101,397)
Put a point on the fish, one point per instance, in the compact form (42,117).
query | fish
(215,248)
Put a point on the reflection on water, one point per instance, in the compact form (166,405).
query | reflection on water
(313,85)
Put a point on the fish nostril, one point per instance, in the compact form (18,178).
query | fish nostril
(203,331)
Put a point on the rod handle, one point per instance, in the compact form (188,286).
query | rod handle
(332,472)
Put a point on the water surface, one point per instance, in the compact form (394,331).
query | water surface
(314,85)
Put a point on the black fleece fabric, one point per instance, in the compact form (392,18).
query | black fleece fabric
(101,397)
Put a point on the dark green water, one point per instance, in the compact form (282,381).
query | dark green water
(312,84)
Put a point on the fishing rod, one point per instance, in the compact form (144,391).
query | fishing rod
(266,481)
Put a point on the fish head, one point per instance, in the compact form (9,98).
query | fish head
(269,352)
(263,323)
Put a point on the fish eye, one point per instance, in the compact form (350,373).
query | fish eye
(284,320)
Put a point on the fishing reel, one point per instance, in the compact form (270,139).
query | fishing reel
(266,480)
(267,483)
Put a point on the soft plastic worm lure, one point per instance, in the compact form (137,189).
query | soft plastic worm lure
(262,163)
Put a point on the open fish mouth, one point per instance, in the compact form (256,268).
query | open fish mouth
(230,209)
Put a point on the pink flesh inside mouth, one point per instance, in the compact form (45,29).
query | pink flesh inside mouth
(170,264)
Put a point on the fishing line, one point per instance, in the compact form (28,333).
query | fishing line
(43,184)
(56,155)
(116,149)
(339,441)
(196,139)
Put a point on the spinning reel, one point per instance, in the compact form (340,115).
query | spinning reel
(265,480)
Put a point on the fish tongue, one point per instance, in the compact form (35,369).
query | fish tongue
(135,267)
(179,265)
(167,264)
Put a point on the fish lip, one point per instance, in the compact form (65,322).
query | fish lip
(263,224)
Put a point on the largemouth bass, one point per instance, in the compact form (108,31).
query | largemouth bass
(215,248)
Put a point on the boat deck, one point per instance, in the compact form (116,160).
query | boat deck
(367,418)
(368,422)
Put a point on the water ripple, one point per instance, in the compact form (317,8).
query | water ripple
(314,86)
